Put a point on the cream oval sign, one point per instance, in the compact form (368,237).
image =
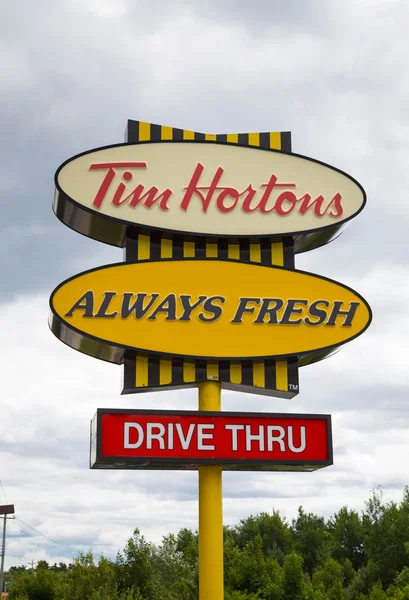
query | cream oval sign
(202,188)
(232,310)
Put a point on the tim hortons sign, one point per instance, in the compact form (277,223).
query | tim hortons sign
(209,309)
(202,188)
(208,289)
(143,439)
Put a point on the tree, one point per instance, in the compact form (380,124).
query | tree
(274,531)
(293,578)
(310,539)
(330,577)
(40,585)
(347,537)
(174,578)
(386,526)
(365,579)
(134,566)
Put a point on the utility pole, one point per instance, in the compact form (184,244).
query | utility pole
(5,509)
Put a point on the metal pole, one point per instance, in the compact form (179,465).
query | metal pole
(211,585)
(3,552)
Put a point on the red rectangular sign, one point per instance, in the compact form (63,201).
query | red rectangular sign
(143,439)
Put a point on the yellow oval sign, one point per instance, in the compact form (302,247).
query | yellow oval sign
(205,309)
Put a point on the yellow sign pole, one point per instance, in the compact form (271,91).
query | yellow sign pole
(211,585)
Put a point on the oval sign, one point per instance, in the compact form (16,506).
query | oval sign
(203,188)
(210,308)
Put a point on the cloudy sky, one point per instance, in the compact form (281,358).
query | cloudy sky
(71,73)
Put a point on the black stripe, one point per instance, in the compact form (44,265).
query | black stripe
(177,371)
(155,246)
(199,137)
(266,258)
(153,371)
(201,371)
(247,373)
(222,249)
(131,245)
(177,246)
(178,135)
(270,374)
(264,140)
(221,137)
(286,141)
(224,371)
(244,249)
(132,132)
(293,381)
(200,248)
(243,139)
(289,261)
(156,131)
(129,370)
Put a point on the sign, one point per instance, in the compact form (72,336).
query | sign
(202,188)
(7,509)
(140,439)
(205,308)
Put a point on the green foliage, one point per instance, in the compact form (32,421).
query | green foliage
(350,556)
(329,577)
(293,580)
(274,531)
(134,566)
(310,539)
(41,585)
(347,537)
(386,533)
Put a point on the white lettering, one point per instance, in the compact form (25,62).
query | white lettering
(127,428)
(303,443)
(170,436)
(185,441)
(275,438)
(201,436)
(150,436)
(234,435)
(255,437)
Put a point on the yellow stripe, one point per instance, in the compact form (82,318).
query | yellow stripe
(165,248)
(165,372)
(189,372)
(211,250)
(189,249)
(212,370)
(255,252)
(144,247)
(144,131)
(233,251)
(166,133)
(282,375)
(210,136)
(275,140)
(259,379)
(254,139)
(235,373)
(233,138)
(141,379)
(277,254)
(188,135)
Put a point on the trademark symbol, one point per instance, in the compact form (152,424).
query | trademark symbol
(293,387)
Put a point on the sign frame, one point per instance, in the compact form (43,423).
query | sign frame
(137,463)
